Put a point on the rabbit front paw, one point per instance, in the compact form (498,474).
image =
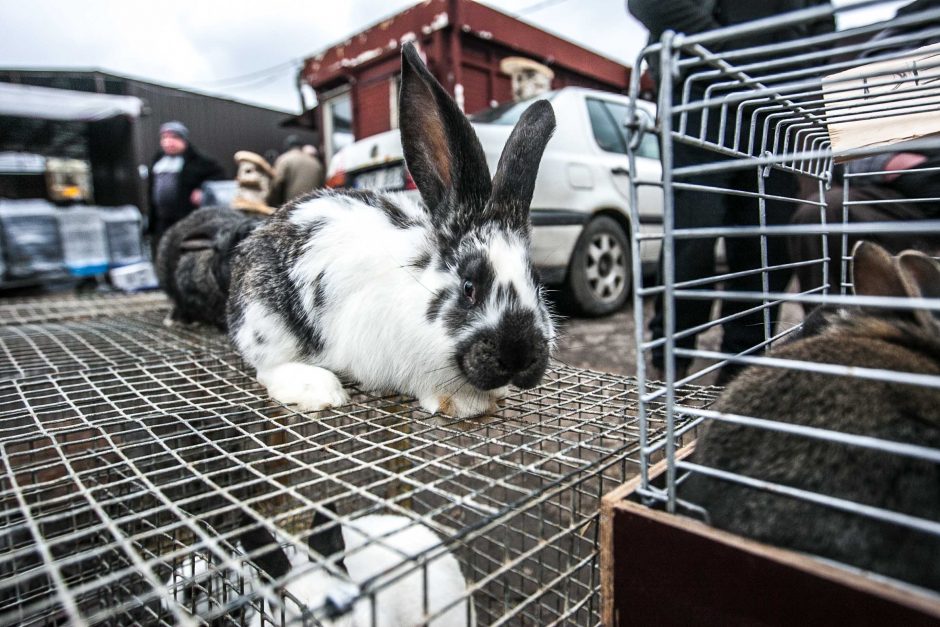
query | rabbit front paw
(464,403)
(308,387)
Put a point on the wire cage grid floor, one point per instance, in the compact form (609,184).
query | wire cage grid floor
(147,450)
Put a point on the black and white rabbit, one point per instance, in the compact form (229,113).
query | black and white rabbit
(437,301)
(194,260)
(896,340)
(375,551)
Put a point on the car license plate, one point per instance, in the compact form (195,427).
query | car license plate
(385,178)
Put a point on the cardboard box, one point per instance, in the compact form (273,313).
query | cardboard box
(884,103)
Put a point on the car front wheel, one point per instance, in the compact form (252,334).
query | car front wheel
(599,273)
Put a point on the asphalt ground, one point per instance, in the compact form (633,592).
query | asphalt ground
(609,345)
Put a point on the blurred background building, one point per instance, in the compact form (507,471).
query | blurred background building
(463,43)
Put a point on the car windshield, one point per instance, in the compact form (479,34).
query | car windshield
(507,113)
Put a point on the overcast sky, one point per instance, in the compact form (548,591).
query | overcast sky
(250,50)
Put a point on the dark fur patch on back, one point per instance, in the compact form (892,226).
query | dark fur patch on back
(319,291)
(266,279)
(314,341)
(392,211)
(291,307)
(301,327)
(311,228)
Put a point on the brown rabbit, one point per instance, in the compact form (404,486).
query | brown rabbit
(903,341)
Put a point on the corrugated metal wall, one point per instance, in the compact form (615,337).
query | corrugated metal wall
(218,127)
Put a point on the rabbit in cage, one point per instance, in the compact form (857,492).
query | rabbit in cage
(203,586)
(377,550)
(437,301)
(194,259)
(906,341)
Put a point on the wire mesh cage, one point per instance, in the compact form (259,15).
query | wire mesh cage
(78,306)
(785,148)
(141,462)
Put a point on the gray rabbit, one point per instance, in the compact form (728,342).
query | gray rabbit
(897,340)
(194,261)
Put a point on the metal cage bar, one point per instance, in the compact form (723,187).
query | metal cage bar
(760,112)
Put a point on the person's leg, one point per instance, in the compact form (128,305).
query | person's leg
(744,255)
(806,248)
(694,258)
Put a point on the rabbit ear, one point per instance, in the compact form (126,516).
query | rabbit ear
(263,550)
(329,540)
(518,167)
(441,149)
(230,237)
(922,276)
(875,272)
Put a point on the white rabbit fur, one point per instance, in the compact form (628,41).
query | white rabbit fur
(394,539)
(373,546)
(438,301)
(198,574)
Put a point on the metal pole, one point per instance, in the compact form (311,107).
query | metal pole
(669,271)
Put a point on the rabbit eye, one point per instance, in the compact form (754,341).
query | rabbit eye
(469,290)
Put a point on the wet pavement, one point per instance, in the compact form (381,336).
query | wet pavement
(609,345)
(603,344)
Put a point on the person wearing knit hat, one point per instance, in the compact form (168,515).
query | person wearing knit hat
(177,128)
(176,177)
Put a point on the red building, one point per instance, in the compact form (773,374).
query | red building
(462,42)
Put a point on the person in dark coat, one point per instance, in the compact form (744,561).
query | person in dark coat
(695,258)
(892,186)
(176,177)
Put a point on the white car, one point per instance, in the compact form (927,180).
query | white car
(580,210)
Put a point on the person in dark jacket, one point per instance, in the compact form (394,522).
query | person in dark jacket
(695,258)
(176,177)
(892,186)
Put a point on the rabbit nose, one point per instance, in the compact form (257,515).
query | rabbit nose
(520,343)
(516,355)
(512,366)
